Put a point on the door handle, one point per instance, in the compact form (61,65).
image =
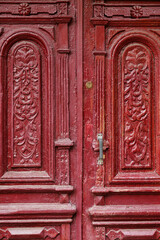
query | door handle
(100,139)
(100,145)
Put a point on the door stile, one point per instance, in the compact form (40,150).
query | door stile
(79,77)
(99,54)
(100,112)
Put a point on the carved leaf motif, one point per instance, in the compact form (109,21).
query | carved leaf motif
(136,108)
(26,106)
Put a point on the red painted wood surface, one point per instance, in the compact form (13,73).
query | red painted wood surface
(70,70)
(121,100)
(37,178)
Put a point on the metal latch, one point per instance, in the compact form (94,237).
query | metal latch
(100,139)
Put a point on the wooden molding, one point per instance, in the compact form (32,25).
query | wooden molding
(37,211)
(60,189)
(120,214)
(140,234)
(141,189)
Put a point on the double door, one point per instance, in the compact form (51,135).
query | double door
(79,119)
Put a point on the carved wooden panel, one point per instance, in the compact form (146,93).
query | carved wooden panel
(28,135)
(25,87)
(136,101)
(134,135)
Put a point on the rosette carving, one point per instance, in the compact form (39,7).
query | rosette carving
(136,12)
(24,9)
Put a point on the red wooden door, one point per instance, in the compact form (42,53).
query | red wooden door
(79,119)
(36,177)
(121,101)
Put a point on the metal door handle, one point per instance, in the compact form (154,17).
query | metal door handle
(100,139)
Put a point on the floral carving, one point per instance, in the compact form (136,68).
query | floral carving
(24,9)
(136,12)
(62,7)
(26,97)
(136,107)
(98,11)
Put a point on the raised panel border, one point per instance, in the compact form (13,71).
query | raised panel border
(47,173)
(142,176)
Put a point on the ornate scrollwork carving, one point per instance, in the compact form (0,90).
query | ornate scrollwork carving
(26,97)
(136,107)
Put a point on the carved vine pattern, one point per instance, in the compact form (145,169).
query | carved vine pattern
(136,107)
(26,97)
